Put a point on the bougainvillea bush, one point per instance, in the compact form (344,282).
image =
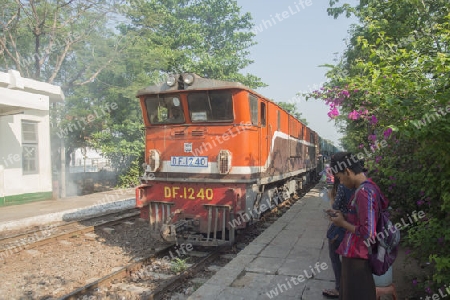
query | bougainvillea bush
(393,105)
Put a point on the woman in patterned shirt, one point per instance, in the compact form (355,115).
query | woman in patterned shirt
(360,223)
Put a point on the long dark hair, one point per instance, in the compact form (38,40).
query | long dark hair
(346,160)
(335,187)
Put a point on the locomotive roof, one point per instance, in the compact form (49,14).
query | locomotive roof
(199,83)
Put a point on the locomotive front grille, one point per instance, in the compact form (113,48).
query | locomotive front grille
(216,212)
(160,213)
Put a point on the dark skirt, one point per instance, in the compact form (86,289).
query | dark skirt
(356,280)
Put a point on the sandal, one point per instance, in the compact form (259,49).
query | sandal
(332,294)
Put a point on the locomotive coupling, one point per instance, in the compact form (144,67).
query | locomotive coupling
(169,232)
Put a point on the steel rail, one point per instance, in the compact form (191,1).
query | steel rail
(22,241)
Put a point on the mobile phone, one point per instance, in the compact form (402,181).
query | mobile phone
(329,213)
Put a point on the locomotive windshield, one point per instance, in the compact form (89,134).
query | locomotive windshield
(210,106)
(165,109)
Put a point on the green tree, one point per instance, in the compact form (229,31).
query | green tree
(102,52)
(63,42)
(210,38)
(396,90)
(67,43)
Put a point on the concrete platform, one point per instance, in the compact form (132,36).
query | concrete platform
(15,217)
(289,260)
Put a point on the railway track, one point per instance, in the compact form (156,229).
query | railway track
(50,233)
(148,279)
(131,279)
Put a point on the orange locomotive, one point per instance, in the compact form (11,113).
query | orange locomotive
(217,154)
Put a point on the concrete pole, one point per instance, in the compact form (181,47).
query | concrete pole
(63,169)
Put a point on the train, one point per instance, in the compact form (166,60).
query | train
(217,156)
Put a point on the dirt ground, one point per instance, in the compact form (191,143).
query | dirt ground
(55,269)
(405,270)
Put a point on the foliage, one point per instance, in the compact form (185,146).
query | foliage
(292,109)
(102,52)
(63,42)
(178,265)
(396,90)
(67,43)
(210,38)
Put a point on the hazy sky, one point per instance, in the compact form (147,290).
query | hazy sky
(289,53)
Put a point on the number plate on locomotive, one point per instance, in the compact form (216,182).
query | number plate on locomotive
(189,161)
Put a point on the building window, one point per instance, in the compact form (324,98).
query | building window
(30,163)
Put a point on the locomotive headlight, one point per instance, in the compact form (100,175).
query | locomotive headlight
(171,80)
(154,160)
(224,161)
(188,78)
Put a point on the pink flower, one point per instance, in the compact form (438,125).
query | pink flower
(372,137)
(378,159)
(373,120)
(354,115)
(363,112)
(361,146)
(387,133)
(333,113)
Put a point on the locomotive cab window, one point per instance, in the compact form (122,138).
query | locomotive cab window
(253,102)
(263,114)
(216,106)
(165,109)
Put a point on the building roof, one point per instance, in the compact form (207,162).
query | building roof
(18,93)
(13,80)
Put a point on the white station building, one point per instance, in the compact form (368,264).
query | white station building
(25,156)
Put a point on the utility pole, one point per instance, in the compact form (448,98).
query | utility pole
(63,169)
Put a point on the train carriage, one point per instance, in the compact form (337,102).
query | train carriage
(217,155)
